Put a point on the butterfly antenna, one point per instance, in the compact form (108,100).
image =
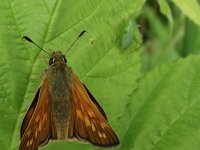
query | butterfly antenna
(29,40)
(80,35)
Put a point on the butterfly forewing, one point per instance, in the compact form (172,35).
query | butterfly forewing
(29,113)
(36,129)
(88,121)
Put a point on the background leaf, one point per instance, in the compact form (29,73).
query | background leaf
(191,40)
(190,8)
(165,10)
(96,59)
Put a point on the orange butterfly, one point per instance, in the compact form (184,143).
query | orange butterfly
(64,109)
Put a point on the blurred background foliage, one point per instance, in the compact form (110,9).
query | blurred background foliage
(170,30)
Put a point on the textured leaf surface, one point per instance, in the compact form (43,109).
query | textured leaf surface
(96,59)
(164,111)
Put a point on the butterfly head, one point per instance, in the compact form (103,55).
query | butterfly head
(57,56)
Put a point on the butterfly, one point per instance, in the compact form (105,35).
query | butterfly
(64,109)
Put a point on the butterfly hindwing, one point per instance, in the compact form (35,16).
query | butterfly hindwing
(36,130)
(95,102)
(88,121)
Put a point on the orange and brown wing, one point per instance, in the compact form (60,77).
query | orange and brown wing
(88,121)
(29,113)
(36,130)
(96,103)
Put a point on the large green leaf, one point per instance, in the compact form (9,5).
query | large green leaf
(164,111)
(96,59)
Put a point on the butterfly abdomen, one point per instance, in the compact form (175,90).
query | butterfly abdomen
(61,110)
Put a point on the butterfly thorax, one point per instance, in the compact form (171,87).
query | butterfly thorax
(59,80)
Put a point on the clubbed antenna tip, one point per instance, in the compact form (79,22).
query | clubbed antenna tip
(29,40)
(80,35)
(83,32)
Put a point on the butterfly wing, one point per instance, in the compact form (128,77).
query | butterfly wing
(36,130)
(88,120)
(29,113)
(95,102)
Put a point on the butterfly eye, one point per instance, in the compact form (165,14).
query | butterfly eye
(64,59)
(51,61)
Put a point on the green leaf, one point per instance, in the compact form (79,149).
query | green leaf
(165,10)
(96,58)
(164,111)
(190,8)
(191,40)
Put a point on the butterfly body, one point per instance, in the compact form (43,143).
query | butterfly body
(59,82)
(64,109)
